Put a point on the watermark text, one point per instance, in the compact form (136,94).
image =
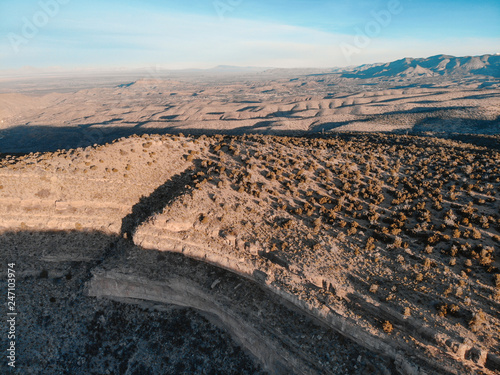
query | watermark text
(31,25)
(372,29)
(11,314)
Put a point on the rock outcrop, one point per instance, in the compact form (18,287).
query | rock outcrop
(372,237)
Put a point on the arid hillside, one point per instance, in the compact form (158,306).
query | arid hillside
(458,96)
(385,244)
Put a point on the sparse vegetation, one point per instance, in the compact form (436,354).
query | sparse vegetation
(399,220)
(387,326)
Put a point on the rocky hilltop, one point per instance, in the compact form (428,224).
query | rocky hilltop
(383,246)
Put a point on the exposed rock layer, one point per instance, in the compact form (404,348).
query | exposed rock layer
(337,227)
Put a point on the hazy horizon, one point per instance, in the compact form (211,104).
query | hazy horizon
(69,35)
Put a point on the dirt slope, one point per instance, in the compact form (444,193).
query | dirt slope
(391,241)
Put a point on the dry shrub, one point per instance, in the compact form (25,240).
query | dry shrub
(476,234)
(370,244)
(477,321)
(497,280)
(387,326)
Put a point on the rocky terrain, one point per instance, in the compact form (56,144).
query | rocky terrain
(440,65)
(251,221)
(62,331)
(384,247)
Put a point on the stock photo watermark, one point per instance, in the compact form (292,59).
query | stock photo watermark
(31,26)
(11,315)
(380,20)
(223,7)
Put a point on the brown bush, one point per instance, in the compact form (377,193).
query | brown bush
(387,326)
(477,321)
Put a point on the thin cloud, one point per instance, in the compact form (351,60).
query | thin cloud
(128,37)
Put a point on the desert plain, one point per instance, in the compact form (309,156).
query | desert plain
(279,221)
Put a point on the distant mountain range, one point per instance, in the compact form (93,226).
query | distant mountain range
(440,65)
(435,66)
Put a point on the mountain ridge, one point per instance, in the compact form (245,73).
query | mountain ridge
(438,65)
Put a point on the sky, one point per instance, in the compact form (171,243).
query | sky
(173,34)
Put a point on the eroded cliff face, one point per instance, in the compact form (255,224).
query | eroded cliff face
(157,313)
(279,336)
(86,189)
(61,330)
(390,242)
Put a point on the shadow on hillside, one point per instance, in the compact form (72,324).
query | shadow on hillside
(329,126)
(63,330)
(60,330)
(485,127)
(153,204)
(24,139)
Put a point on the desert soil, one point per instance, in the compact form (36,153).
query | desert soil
(385,243)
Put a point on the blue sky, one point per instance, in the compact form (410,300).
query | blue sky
(272,33)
